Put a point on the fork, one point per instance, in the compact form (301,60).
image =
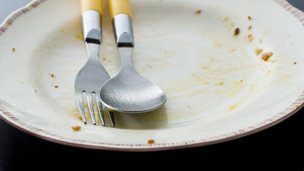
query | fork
(93,75)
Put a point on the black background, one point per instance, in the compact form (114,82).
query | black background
(281,146)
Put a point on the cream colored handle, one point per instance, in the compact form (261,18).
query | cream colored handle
(119,7)
(91,5)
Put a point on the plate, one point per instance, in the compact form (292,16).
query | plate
(229,68)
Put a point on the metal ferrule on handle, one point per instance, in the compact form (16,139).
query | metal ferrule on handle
(92,27)
(123,30)
(122,23)
(91,19)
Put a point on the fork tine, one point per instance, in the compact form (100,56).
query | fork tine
(79,102)
(100,110)
(91,108)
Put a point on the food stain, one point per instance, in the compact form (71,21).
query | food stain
(233,107)
(198,12)
(79,36)
(220,83)
(267,56)
(76,128)
(151,141)
(225,18)
(249,38)
(249,28)
(237,31)
(52,75)
(13,50)
(249,18)
(259,51)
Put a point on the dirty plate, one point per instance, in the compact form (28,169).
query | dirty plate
(230,68)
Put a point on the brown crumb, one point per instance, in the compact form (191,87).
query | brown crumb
(53,75)
(250,37)
(259,51)
(249,28)
(249,18)
(295,63)
(76,128)
(267,56)
(241,81)
(14,50)
(198,12)
(237,31)
(56,86)
(151,141)
(80,118)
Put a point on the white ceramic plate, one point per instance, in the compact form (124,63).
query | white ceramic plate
(218,88)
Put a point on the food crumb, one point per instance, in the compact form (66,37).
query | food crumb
(52,75)
(13,49)
(80,118)
(198,12)
(76,128)
(151,141)
(249,28)
(241,81)
(295,63)
(267,56)
(249,18)
(250,37)
(56,86)
(237,31)
(103,59)
(259,51)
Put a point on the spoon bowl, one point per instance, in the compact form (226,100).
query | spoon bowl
(128,92)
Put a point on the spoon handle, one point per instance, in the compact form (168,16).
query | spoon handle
(121,15)
(119,7)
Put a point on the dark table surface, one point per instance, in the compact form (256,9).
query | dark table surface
(281,146)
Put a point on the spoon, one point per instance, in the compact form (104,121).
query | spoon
(128,92)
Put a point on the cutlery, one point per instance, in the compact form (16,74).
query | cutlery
(93,75)
(128,92)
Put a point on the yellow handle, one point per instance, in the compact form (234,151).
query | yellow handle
(91,5)
(119,7)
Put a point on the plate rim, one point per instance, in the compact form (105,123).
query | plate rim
(16,123)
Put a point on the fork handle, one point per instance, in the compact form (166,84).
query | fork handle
(120,11)
(91,20)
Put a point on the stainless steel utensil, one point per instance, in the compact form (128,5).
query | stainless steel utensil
(128,92)
(93,75)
